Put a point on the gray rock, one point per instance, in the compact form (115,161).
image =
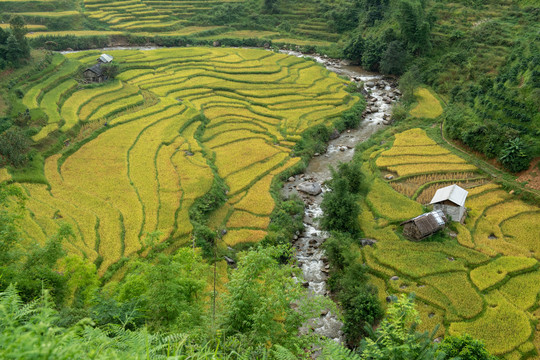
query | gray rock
(229,260)
(291,179)
(367,242)
(394,278)
(370,84)
(334,135)
(310,188)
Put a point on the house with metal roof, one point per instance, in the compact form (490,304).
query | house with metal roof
(105,59)
(424,225)
(451,200)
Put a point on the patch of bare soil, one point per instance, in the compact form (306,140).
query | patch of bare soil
(532,175)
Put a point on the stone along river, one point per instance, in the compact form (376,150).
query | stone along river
(309,186)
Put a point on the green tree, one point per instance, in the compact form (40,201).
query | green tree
(515,156)
(3,37)
(258,304)
(464,347)
(18,27)
(40,269)
(408,83)
(110,70)
(349,283)
(396,337)
(17,47)
(169,290)
(13,53)
(14,145)
(354,48)
(415,28)
(394,59)
(340,208)
(371,56)
(270,6)
(82,280)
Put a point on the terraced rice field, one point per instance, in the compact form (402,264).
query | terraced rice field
(147,18)
(485,280)
(428,106)
(151,156)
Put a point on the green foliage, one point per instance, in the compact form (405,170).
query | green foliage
(313,140)
(354,48)
(465,348)
(371,56)
(33,267)
(394,59)
(257,306)
(396,337)
(340,208)
(334,351)
(348,281)
(415,29)
(342,15)
(270,6)
(14,48)
(515,155)
(31,331)
(14,145)
(169,291)
(408,83)
(110,70)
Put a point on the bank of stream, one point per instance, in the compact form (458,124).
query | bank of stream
(380,93)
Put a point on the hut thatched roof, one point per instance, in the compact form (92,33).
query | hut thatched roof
(96,69)
(428,223)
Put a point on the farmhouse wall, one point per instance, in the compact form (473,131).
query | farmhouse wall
(452,211)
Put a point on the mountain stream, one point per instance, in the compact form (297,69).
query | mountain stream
(380,94)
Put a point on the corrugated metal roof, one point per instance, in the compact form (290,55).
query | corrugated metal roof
(454,193)
(428,223)
(105,58)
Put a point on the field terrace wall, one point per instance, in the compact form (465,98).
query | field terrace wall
(135,164)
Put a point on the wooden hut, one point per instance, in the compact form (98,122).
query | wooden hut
(424,225)
(94,74)
(451,200)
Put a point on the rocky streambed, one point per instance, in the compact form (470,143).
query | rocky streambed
(380,93)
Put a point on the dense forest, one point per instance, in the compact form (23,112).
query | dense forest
(189,296)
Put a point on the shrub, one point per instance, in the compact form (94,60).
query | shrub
(13,146)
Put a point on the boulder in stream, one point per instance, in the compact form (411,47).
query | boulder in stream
(310,188)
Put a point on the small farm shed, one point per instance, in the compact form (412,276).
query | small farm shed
(451,200)
(105,59)
(424,225)
(94,74)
